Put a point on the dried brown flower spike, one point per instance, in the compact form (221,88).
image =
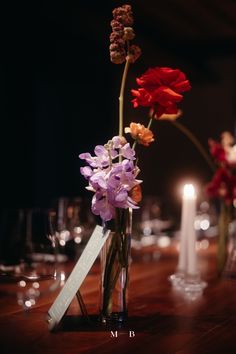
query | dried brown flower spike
(122,33)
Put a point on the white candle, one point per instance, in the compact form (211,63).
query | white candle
(187,258)
(190,198)
(182,264)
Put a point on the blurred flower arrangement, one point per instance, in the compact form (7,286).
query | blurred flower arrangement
(222,187)
(112,171)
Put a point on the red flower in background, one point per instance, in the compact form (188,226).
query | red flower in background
(223,185)
(217,151)
(160,89)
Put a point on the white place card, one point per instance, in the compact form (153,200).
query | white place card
(77,276)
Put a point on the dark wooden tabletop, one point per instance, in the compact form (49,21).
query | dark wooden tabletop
(161,319)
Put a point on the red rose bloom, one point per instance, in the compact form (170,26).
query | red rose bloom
(223,185)
(217,151)
(161,89)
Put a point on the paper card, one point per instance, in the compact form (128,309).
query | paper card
(77,276)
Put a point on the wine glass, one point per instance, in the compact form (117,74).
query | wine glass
(73,223)
(35,269)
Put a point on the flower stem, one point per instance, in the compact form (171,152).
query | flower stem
(121,97)
(150,123)
(134,145)
(196,142)
(82,305)
(116,264)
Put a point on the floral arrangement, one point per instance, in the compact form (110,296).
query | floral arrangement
(223,183)
(113,182)
(112,171)
(222,188)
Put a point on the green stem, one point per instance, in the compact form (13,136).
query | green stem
(117,259)
(121,98)
(150,123)
(196,142)
(82,305)
(112,274)
(134,145)
(127,245)
(110,257)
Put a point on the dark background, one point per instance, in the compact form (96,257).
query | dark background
(60,91)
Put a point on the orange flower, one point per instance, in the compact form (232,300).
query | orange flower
(138,132)
(136,193)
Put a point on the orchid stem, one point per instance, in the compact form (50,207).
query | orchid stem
(196,142)
(121,98)
(134,145)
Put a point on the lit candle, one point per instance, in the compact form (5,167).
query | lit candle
(189,198)
(182,264)
(187,256)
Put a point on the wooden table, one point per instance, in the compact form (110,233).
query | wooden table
(161,319)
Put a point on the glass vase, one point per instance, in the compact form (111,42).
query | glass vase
(115,264)
(223,236)
(230,266)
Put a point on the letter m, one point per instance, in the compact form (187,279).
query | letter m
(114,334)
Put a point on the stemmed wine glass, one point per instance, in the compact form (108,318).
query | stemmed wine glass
(35,270)
(37,245)
(73,223)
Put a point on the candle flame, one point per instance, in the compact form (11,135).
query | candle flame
(189,191)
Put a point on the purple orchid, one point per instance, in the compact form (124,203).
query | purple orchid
(111,181)
(128,152)
(102,158)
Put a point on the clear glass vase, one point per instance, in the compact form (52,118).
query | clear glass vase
(223,237)
(115,263)
(230,266)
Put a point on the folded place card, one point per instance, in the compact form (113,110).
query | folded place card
(77,276)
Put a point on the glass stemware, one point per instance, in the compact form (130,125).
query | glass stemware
(36,268)
(36,245)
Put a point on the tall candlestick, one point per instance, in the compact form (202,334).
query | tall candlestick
(182,264)
(189,199)
(187,256)
(187,220)
(187,276)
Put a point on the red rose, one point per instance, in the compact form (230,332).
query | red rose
(217,151)
(142,98)
(160,89)
(223,185)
